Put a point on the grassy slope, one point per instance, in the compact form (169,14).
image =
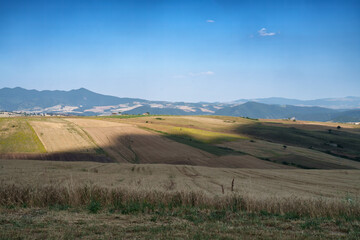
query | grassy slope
(204,131)
(199,132)
(215,134)
(291,155)
(17,136)
(335,142)
(194,141)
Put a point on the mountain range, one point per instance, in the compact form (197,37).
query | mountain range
(333,103)
(84,102)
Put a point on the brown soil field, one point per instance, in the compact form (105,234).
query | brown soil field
(128,143)
(259,183)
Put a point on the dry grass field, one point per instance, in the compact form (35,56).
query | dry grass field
(176,177)
(301,144)
(191,140)
(129,143)
(62,136)
(155,201)
(262,183)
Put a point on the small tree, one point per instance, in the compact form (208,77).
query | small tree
(338,127)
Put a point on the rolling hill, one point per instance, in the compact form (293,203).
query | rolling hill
(261,110)
(85,102)
(333,103)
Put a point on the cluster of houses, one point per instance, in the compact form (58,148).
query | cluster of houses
(23,114)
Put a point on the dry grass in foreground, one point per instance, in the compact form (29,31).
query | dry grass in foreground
(127,201)
(89,200)
(93,212)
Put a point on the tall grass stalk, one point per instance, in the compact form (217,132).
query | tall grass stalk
(147,201)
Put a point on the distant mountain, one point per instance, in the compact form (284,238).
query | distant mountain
(261,110)
(19,99)
(158,111)
(348,116)
(334,103)
(84,102)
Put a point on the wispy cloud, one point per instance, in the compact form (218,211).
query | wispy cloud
(195,74)
(210,21)
(263,33)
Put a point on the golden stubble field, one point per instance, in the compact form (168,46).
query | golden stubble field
(62,136)
(214,177)
(189,140)
(259,183)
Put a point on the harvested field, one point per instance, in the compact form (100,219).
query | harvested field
(214,141)
(244,194)
(128,143)
(345,144)
(259,183)
(212,124)
(63,137)
(291,155)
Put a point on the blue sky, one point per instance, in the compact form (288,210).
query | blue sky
(183,50)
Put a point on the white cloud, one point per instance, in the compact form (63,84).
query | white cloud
(210,21)
(263,33)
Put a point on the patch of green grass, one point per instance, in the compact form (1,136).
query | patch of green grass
(188,140)
(59,207)
(100,151)
(205,136)
(94,206)
(17,136)
(311,224)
